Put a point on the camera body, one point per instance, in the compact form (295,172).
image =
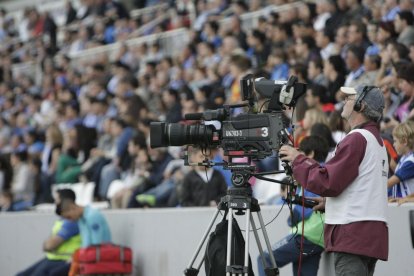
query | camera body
(252,134)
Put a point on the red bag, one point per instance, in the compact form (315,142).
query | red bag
(103,259)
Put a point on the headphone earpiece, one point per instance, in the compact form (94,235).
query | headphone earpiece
(358,105)
(358,101)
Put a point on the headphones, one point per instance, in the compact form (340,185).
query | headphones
(358,101)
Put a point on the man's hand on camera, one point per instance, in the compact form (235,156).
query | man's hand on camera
(321,204)
(288,153)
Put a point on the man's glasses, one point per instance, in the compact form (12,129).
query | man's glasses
(349,98)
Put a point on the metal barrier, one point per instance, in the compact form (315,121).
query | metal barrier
(171,42)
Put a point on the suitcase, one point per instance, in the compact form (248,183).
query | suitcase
(102,259)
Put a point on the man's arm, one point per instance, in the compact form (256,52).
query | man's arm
(337,174)
(52,243)
(68,230)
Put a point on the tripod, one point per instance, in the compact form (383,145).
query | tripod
(238,198)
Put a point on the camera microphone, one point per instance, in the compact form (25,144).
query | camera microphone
(208,115)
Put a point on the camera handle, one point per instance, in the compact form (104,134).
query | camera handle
(239,199)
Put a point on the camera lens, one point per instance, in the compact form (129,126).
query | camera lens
(163,134)
(190,135)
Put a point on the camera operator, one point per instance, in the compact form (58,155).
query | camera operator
(354,183)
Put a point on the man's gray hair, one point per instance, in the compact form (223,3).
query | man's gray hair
(371,114)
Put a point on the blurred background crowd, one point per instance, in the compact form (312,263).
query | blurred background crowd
(78,90)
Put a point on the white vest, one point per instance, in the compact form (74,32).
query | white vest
(365,199)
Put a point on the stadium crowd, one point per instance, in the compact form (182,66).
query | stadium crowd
(90,121)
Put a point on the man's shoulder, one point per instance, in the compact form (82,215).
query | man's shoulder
(68,223)
(91,213)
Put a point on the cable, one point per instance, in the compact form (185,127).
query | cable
(266,224)
(303,232)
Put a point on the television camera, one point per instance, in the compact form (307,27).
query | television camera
(252,135)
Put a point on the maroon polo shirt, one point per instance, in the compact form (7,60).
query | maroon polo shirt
(367,238)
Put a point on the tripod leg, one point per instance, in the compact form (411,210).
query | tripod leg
(229,241)
(190,269)
(259,245)
(246,247)
(266,238)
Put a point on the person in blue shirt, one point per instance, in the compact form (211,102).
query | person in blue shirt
(93,226)
(59,247)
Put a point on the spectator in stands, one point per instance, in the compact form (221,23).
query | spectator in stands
(120,162)
(165,194)
(324,10)
(42,195)
(235,29)
(354,62)
(281,35)
(136,177)
(95,116)
(239,66)
(357,34)
(372,65)
(78,143)
(356,10)
(277,64)
(315,72)
(100,155)
(323,130)
(22,185)
(6,173)
(68,167)
(70,13)
(305,49)
(33,143)
(315,98)
(202,186)
(341,40)
(71,115)
(80,42)
(210,33)
(60,246)
(312,116)
(372,31)
(206,55)
(404,27)
(391,9)
(385,33)
(402,182)
(160,158)
(334,70)
(392,101)
(258,50)
(337,125)
(324,42)
(119,72)
(50,155)
(287,250)
(299,70)
(398,52)
(406,84)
